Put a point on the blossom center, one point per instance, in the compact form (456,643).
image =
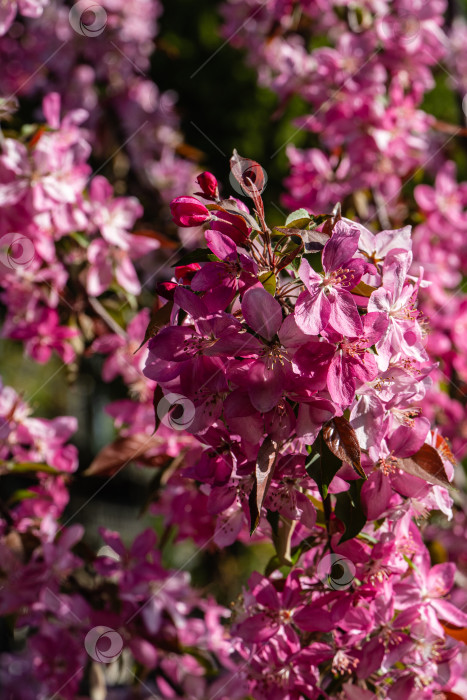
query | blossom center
(340,276)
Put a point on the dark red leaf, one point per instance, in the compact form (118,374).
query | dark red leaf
(287,259)
(427,465)
(124,450)
(248,173)
(342,440)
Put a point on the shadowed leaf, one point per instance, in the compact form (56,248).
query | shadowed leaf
(158,320)
(322,465)
(265,463)
(349,510)
(195,256)
(230,207)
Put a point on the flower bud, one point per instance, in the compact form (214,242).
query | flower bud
(208,185)
(185,273)
(188,211)
(166,290)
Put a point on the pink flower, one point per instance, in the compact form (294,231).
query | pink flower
(121,359)
(221,281)
(108,262)
(446,201)
(327,300)
(114,216)
(396,299)
(44,335)
(232,225)
(272,612)
(423,595)
(188,211)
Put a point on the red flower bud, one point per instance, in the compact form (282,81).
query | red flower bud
(185,273)
(208,185)
(166,290)
(188,211)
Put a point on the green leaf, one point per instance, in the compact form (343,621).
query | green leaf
(272,565)
(22,467)
(349,510)
(80,238)
(320,219)
(322,465)
(286,231)
(194,256)
(21,495)
(268,280)
(299,218)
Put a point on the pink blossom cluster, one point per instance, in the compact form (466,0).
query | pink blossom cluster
(97,57)
(301,353)
(65,238)
(364,70)
(380,64)
(365,620)
(154,617)
(37,447)
(440,249)
(299,400)
(57,591)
